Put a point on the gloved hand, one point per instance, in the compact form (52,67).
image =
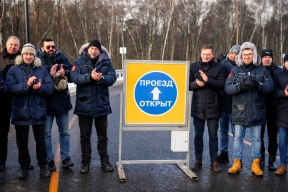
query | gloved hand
(255,84)
(220,56)
(244,85)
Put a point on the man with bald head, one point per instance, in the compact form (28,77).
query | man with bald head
(7,60)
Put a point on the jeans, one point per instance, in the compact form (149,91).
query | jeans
(64,135)
(4,129)
(255,132)
(85,124)
(212,125)
(272,132)
(225,121)
(283,145)
(22,136)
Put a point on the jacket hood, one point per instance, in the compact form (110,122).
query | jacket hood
(36,62)
(256,57)
(84,48)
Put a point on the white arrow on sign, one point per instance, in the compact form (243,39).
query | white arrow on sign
(156,93)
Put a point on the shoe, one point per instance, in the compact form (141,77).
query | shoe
(223,157)
(2,166)
(215,167)
(197,166)
(256,167)
(67,162)
(23,173)
(51,165)
(2,180)
(31,167)
(85,167)
(271,163)
(281,170)
(107,166)
(45,172)
(262,161)
(236,167)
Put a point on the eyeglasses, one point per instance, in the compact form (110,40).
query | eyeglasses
(50,46)
(247,55)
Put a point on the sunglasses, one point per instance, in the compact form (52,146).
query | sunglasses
(50,46)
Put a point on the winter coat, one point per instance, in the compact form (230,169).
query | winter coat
(3,85)
(226,99)
(92,97)
(248,106)
(6,62)
(270,100)
(206,99)
(281,81)
(58,102)
(28,105)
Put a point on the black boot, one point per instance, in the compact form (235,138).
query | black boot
(85,167)
(262,161)
(45,172)
(223,157)
(2,166)
(271,163)
(23,173)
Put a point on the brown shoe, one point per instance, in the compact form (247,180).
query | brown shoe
(197,166)
(215,167)
(281,170)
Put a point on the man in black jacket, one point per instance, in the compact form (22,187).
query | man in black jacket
(270,104)
(7,60)
(206,80)
(58,103)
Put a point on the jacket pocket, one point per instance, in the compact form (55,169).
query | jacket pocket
(238,113)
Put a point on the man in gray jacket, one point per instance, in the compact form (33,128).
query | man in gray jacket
(248,83)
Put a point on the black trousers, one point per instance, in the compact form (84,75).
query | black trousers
(22,136)
(5,116)
(272,131)
(85,124)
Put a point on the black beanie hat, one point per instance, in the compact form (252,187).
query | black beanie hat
(266,52)
(285,57)
(95,43)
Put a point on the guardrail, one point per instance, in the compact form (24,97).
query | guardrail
(119,73)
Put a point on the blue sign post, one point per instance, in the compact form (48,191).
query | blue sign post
(155,93)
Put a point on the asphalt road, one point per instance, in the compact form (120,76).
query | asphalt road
(137,145)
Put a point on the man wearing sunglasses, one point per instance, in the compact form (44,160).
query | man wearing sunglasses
(59,102)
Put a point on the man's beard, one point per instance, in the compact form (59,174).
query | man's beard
(51,53)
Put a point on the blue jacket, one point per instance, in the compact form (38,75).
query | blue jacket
(92,97)
(248,106)
(281,82)
(28,106)
(206,100)
(58,102)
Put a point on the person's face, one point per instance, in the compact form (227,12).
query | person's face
(28,58)
(93,52)
(247,56)
(286,64)
(206,55)
(232,56)
(267,61)
(12,46)
(49,47)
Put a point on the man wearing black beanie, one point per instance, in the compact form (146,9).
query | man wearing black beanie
(93,73)
(270,103)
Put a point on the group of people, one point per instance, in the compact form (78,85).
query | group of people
(241,90)
(34,91)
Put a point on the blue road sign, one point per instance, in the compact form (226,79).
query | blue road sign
(155,93)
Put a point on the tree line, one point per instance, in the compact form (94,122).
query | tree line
(149,29)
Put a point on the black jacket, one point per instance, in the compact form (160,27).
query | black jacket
(281,81)
(206,99)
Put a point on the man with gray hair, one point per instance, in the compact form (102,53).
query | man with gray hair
(248,83)
(7,60)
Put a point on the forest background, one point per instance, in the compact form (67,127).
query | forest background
(150,29)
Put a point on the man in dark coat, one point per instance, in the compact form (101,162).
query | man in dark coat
(270,104)
(29,84)
(7,60)
(281,121)
(206,80)
(59,102)
(248,83)
(93,73)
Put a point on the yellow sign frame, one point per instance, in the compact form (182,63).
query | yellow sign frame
(178,71)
